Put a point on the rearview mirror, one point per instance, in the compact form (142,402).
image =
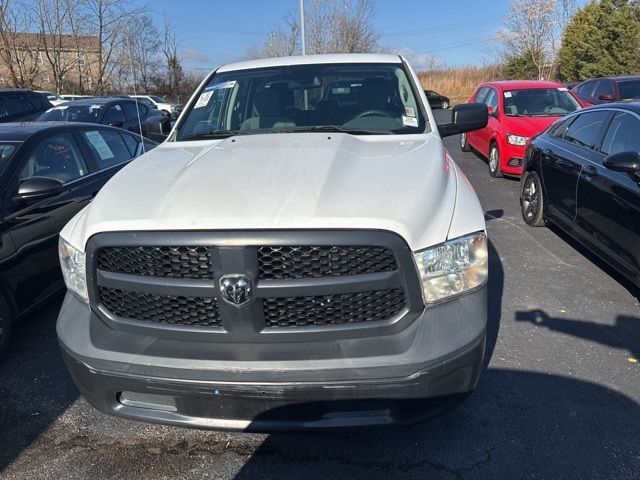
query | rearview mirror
(38,188)
(606,98)
(465,118)
(626,162)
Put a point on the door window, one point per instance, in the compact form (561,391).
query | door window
(559,130)
(586,90)
(623,135)
(114,114)
(19,104)
(132,144)
(3,109)
(131,111)
(492,100)
(109,148)
(585,130)
(55,157)
(482,93)
(604,87)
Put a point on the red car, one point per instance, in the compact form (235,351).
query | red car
(518,110)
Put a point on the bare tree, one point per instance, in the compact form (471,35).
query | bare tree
(332,26)
(141,57)
(533,30)
(57,39)
(18,50)
(107,19)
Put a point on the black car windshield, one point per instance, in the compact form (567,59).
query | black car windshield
(629,90)
(351,98)
(72,113)
(539,102)
(7,149)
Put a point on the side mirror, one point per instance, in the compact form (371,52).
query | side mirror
(465,118)
(606,98)
(38,188)
(625,162)
(116,124)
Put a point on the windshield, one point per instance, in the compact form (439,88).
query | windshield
(6,152)
(629,90)
(353,98)
(76,113)
(158,99)
(539,102)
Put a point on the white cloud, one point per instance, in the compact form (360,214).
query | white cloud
(420,61)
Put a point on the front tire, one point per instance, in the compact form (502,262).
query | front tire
(532,199)
(464,143)
(6,328)
(494,161)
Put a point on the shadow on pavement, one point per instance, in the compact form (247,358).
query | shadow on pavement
(35,387)
(516,425)
(624,334)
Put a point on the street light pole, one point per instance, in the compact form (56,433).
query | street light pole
(302,26)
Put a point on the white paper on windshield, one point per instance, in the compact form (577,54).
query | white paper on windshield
(409,121)
(507,94)
(100,145)
(409,112)
(219,86)
(203,100)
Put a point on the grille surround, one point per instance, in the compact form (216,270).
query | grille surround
(236,253)
(311,261)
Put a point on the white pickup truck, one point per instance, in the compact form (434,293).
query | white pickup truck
(300,253)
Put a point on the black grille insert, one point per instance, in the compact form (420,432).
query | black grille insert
(174,310)
(333,309)
(169,262)
(291,262)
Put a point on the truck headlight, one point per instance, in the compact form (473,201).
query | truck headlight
(453,268)
(517,140)
(74,269)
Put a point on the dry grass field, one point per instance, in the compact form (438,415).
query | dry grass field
(458,83)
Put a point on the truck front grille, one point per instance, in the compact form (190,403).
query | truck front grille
(306,261)
(170,262)
(334,309)
(298,279)
(169,309)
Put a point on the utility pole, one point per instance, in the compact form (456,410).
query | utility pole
(302,26)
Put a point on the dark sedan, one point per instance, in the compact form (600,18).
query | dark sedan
(583,175)
(120,112)
(609,89)
(48,173)
(436,100)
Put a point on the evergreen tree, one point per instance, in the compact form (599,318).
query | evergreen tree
(603,38)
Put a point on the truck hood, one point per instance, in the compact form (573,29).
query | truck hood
(405,184)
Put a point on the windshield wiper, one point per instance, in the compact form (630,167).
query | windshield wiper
(335,128)
(212,134)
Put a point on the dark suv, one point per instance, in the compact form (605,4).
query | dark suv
(609,89)
(20,105)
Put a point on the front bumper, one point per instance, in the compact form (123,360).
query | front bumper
(511,160)
(440,362)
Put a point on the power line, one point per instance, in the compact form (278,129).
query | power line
(451,26)
(192,23)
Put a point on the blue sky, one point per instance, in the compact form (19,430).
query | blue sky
(213,32)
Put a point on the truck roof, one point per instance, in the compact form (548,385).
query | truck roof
(312,60)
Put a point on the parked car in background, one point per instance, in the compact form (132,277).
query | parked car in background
(518,110)
(53,98)
(609,89)
(21,105)
(48,173)
(571,85)
(171,109)
(436,100)
(121,112)
(282,264)
(583,175)
(71,98)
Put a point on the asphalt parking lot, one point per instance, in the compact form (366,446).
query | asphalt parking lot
(559,399)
